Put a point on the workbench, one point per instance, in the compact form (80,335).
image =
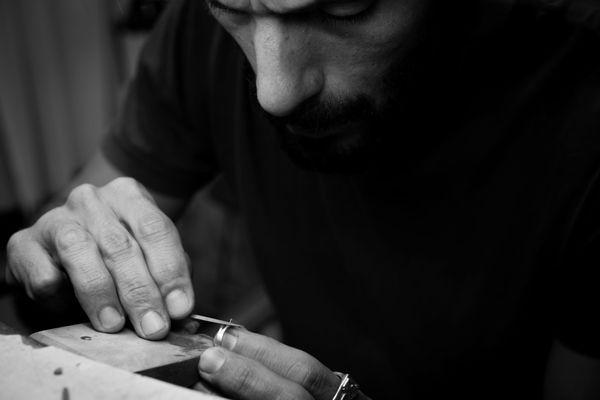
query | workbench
(29,370)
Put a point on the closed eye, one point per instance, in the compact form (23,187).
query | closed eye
(218,7)
(347,11)
(337,11)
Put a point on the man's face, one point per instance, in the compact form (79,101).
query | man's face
(326,71)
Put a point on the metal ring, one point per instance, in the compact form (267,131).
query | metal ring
(218,339)
(348,389)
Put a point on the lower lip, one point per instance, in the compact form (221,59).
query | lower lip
(344,129)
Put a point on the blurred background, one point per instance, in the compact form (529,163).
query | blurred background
(64,67)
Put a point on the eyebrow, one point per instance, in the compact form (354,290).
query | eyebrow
(284,10)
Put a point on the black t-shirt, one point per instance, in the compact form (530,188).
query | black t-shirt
(452,262)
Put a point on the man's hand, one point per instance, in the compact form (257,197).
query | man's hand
(249,366)
(120,252)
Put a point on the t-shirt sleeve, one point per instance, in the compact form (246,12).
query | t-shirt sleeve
(161,135)
(577,284)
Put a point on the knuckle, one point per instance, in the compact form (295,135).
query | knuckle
(71,239)
(82,195)
(94,283)
(136,293)
(116,245)
(123,181)
(306,373)
(154,227)
(13,244)
(48,221)
(261,353)
(244,380)
(127,186)
(171,270)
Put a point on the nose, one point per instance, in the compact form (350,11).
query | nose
(286,74)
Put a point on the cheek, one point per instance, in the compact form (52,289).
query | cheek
(354,70)
(243,36)
(358,63)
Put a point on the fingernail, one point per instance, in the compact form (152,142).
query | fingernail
(177,303)
(229,340)
(211,360)
(152,323)
(110,318)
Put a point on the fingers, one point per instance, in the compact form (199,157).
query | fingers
(122,255)
(137,291)
(245,378)
(114,258)
(290,363)
(160,243)
(30,265)
(92,283)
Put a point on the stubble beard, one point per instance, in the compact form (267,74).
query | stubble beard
(347,135)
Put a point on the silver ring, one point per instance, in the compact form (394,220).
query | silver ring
(218,339)
(348,388)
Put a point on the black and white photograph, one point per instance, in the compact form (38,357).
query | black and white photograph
(300,199)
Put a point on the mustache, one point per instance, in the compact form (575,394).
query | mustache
(316,115)
(323,115)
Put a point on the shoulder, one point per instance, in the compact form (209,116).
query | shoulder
(564,35)
(582,13)
(187,59)
(581,16)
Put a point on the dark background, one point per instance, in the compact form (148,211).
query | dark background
(64,68)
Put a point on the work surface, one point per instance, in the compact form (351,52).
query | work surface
(173,359)
(29,371)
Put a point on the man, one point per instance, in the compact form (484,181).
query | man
(418,178)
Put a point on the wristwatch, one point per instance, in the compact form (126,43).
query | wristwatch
(348,389)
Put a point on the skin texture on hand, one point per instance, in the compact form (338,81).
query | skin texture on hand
(122,255)
(251,366)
